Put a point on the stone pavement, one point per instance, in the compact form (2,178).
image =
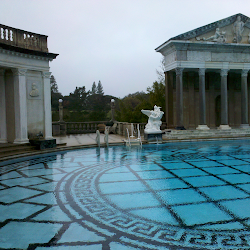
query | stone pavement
(87,139)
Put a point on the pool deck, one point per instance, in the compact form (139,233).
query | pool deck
(87,139)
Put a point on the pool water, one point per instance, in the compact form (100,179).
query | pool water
(169,196)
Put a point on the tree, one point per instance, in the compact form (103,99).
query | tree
(77,101)
(94,90)
(99,89)
(55,94)
(130,107)
(53,84)
(160,72)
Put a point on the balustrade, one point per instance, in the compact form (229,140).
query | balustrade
(91,127)
(23,39)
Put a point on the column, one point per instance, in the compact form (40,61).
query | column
(3,127)
(20,105)
(202,101)
(191,100)
(166,98)
(170,99)
(47,106)
(179,99)
(244,99)
(224,103)
(212,100)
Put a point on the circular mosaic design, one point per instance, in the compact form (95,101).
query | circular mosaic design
(190,197)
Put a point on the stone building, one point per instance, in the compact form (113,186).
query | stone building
(206,75)
(25,100)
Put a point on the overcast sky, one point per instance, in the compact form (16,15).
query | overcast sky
(112,41)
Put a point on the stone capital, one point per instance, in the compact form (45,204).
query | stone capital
(19,72)
(179,71)
(202,72)
(46,74)
(2,71)
(224,72)
(244,72)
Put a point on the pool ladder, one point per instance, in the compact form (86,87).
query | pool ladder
(134,142)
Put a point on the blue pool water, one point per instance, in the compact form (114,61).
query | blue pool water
(170,196)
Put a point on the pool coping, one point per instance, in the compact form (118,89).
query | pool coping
(47,152)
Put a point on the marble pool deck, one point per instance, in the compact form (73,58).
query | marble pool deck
(175,196)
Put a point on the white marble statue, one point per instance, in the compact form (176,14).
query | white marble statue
(154,119)
(238,28)
(219,37)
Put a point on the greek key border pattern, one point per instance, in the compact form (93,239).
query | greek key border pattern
(82,190)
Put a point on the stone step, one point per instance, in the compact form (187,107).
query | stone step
(208,134)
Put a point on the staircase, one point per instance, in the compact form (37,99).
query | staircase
(8,150)
(212,134)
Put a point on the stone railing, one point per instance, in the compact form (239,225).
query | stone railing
(23,39)
(75,127)
(123,126)
(120,128)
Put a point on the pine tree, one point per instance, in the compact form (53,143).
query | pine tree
(99,89)
(94,90)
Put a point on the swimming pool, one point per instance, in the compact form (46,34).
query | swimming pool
(169,196)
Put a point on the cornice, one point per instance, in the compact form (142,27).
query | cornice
(14,53)
(175,45)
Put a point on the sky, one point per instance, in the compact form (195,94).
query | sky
(112,41)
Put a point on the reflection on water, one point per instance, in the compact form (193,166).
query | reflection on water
(81,198)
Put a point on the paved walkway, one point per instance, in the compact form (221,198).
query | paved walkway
(86,139)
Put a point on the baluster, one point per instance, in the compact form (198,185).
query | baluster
(4,34)
(9,35)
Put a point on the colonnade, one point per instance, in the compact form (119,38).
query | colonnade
(13,105)
(202,99)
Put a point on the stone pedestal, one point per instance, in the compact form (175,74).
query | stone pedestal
(153,136)
(244,126)
(224,127)
(202,127)
(43,143)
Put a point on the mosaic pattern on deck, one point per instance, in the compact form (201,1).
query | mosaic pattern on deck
(172,196)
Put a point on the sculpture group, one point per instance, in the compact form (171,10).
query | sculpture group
(154,119)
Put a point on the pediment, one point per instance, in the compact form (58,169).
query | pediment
(234,29)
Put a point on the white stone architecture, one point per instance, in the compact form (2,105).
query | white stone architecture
(25,101)
(207,75)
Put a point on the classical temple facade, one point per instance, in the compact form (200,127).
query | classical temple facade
(25,99)
(207,76)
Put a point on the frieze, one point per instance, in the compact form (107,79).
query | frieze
(212,26)
(198,56)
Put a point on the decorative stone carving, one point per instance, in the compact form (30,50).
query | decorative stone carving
(224,72)
(202,72)
(19,72)
(179,71)
(219,37)
(34,92)
(154,120)
(244,72)
(46,74)
(238,28)
(2,71)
